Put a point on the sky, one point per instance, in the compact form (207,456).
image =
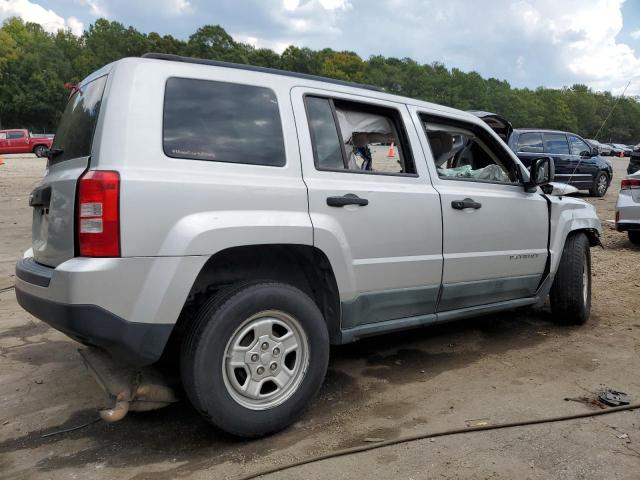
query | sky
(529,43)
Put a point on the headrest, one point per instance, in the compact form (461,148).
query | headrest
(441,142)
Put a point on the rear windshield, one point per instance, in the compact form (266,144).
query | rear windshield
(78,123)
(222,122)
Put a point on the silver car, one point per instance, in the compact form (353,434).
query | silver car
(235,221)
(603,148)
(628,207)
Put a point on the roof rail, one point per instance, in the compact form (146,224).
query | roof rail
(253,68)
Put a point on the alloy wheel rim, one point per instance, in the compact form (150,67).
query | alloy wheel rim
(602,184)
(265,360)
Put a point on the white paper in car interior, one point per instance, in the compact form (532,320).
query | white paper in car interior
(351,121)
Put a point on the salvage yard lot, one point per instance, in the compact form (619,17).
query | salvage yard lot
(500,368)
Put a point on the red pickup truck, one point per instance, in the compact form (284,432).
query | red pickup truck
(22,141)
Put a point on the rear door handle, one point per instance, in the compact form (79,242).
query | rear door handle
(466,203)
(348,199)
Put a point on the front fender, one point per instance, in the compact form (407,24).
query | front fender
(569,215)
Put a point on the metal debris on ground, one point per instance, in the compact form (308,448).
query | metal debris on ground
(477,422)
(587,401)
(72,429)
(613,398)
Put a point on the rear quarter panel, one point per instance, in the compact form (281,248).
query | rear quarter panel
(178,207)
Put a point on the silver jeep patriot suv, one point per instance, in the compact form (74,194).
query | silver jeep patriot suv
(247,218)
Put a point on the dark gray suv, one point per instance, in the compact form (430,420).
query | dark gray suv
(576,162)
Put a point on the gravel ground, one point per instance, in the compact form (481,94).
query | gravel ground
(498,368)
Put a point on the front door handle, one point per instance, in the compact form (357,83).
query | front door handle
(348,199)
(466,203)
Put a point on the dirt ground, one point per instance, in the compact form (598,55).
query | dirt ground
(499,368)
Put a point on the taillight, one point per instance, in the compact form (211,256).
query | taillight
(98,214)
(629,183)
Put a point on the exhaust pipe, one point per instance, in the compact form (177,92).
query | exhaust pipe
(118,412)
(130,389)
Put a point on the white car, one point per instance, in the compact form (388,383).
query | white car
(628,207)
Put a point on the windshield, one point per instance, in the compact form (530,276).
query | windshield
(75,130)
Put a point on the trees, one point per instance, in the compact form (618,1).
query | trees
(35,65)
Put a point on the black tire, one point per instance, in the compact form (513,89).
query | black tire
(570,300)
(40,151)
(600,185)
(634,237)
(207,339)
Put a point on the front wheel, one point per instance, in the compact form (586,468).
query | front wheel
(600,185)
(40,151)
(255,357)
(634,237)
(570,294)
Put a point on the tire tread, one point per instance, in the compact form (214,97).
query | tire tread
(566,294)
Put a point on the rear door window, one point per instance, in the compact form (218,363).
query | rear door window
(358,137)
(556,143)
(222,122)
(530,142)
(14,135)
(74,136)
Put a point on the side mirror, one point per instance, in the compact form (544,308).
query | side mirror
(542,171)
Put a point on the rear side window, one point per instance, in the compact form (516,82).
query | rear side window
(578,146)
(78,123)
(530,142)
(222,122)
(14,135)
(556,143)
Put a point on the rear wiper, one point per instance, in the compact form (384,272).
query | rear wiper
(54,152)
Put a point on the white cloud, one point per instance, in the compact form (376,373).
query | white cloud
(96,7)
(290,5)
(177,7)
(255,42)
(527,42)
(334,4)
(635,34)
(583,38)
(32,12)
(75,25)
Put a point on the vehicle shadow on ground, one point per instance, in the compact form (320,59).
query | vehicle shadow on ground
(178,434)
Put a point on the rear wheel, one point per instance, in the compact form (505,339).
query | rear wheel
(600,185)
(255,357)
(634,237)
(570,294)
(40,151)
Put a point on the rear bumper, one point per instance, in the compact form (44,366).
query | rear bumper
(628,227)
(127,306)
(627,212)
(134,342)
